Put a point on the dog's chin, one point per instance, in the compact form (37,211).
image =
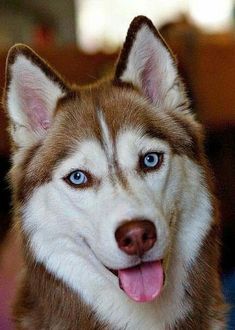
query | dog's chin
(143,282)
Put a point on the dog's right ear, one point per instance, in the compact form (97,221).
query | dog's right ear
(146,63)
(31,93)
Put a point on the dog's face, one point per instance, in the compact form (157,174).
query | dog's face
(108,173)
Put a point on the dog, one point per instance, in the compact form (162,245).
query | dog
(113,197)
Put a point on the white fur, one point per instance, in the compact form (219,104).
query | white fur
(72,231)
(193,230)
(106,137)
(29,82)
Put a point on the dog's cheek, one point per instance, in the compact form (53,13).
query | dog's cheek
(172,188)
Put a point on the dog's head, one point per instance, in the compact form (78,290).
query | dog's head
(109,173)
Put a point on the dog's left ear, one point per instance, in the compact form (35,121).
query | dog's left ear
(147,63)
(31,94)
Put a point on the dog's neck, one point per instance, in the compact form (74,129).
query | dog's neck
(47,302)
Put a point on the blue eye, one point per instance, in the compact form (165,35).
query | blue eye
(77,178)
(152,160)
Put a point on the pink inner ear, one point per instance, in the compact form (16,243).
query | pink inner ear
(35,109)
(149,78)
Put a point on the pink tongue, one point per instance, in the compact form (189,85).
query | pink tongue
(143,282)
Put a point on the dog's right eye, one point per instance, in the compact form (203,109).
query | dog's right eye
(151,161)
(77,179)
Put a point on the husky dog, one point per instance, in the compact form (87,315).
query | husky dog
(112,196)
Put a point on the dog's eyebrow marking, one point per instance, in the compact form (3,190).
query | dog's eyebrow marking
(153,132)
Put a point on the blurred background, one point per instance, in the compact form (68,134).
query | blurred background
(81,39)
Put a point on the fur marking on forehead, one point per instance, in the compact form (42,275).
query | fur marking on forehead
(115,172)
(107,141)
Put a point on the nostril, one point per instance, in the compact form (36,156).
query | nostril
(127,241)
(145,237)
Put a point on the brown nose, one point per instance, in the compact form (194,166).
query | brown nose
(136,237)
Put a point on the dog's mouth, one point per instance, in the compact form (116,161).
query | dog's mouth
(142,283)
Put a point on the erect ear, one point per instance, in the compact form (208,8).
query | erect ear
(31,94)
(147,63)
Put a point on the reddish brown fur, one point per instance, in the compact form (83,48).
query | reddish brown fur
(44,301)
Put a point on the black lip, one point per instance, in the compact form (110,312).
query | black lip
(114,271)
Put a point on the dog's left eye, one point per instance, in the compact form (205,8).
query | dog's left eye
(152,160)
(77,178)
